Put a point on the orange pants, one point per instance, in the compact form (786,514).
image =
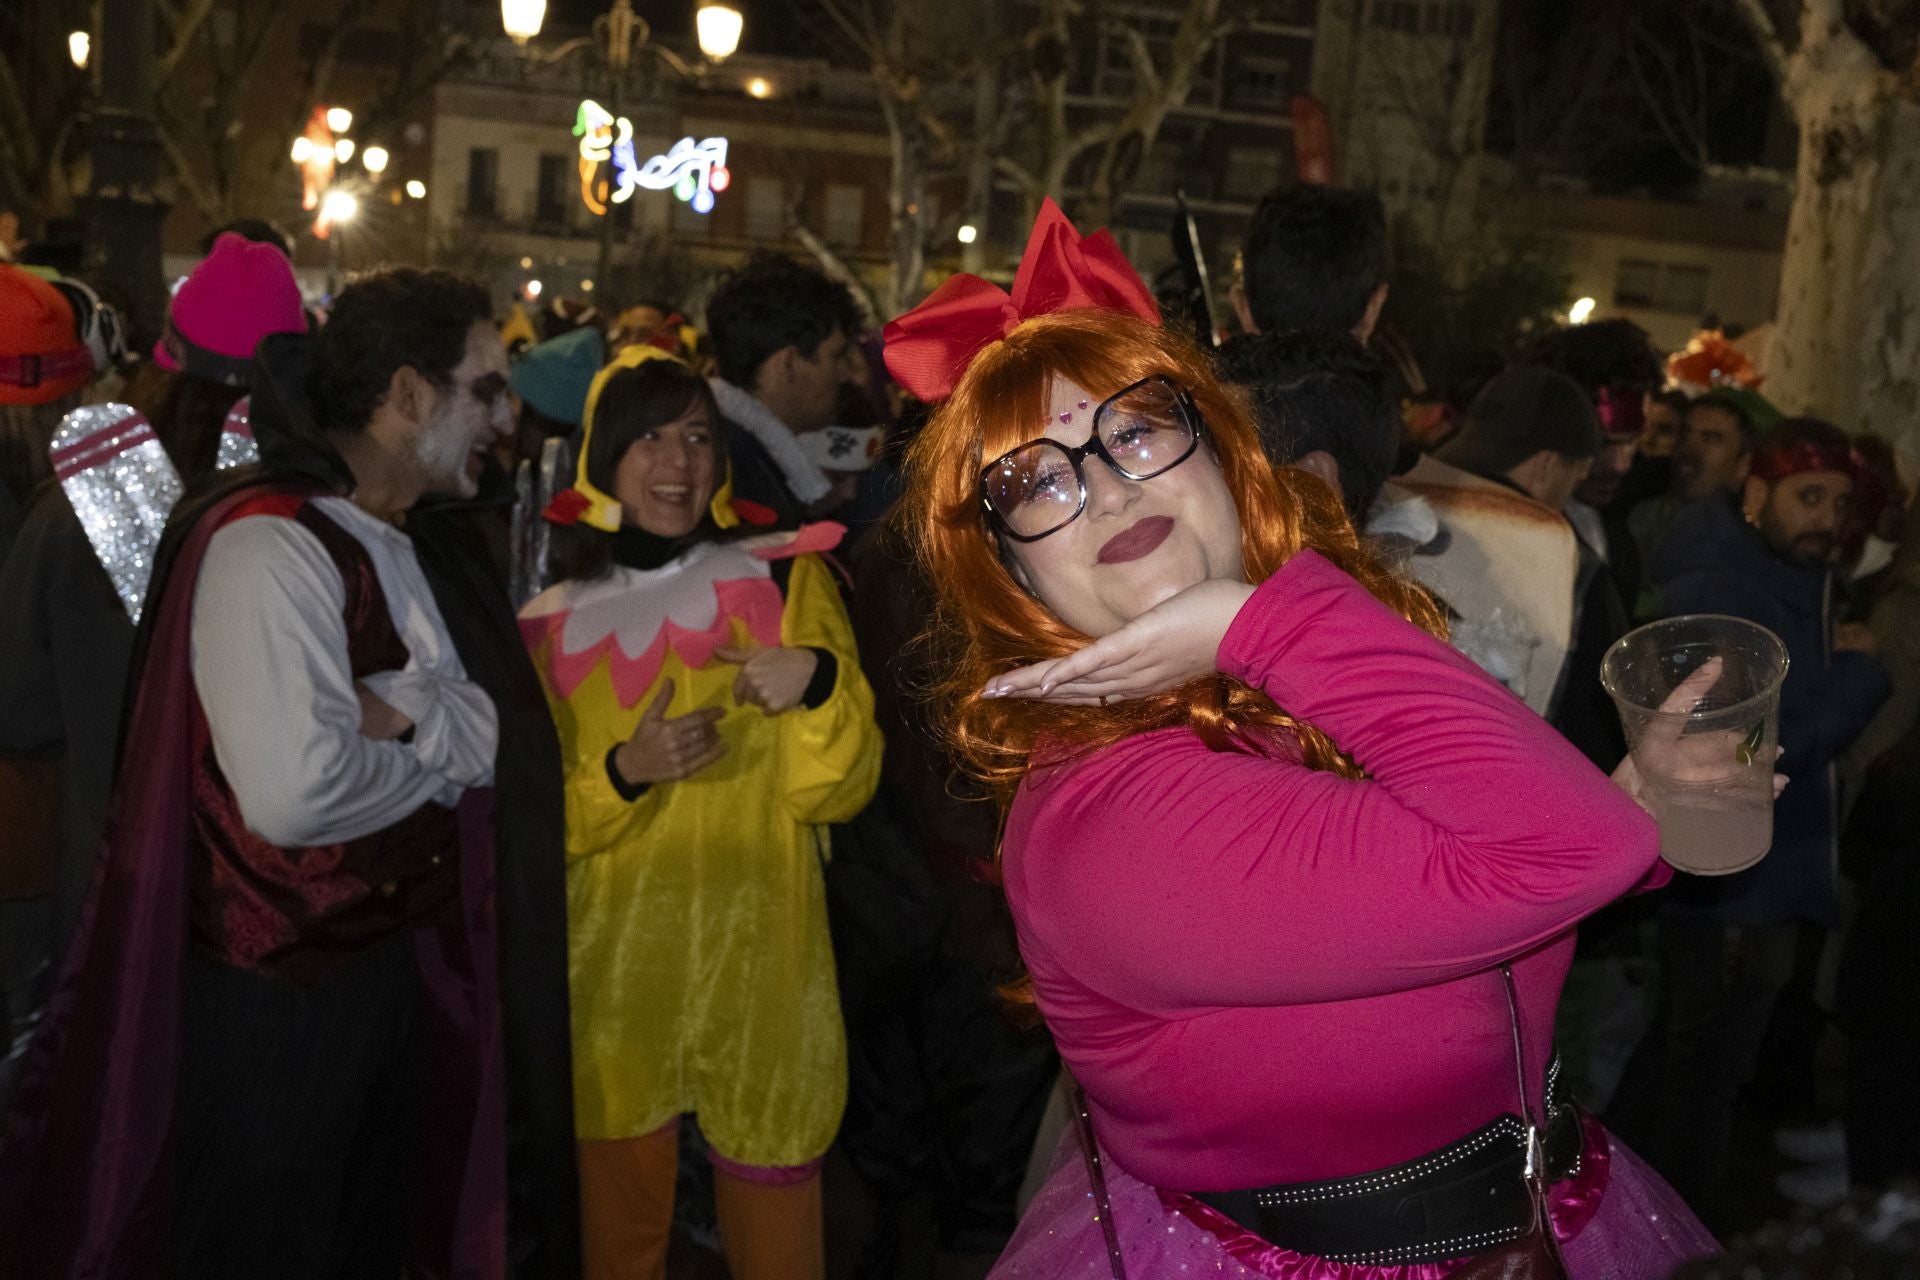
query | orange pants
(769,1231)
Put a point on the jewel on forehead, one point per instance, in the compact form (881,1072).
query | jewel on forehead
(1066,417)
(1083,404)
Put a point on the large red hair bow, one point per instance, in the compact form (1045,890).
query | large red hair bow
(930,347)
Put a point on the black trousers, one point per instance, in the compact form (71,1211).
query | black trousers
(945,1094)
(1676,1102)
(298,1128)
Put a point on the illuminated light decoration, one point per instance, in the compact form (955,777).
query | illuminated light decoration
(339,119)
(586,286)
(689,170)
(968,233)
(526,264)
(343,149)
(606,141)
(533,288)
(79,45)
(1580,311)
(417,189)
(720,179)
(759,87)
(375,158)
(316,159)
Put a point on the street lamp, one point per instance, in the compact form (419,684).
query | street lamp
(375,158)
(79,45)
(968,233)
(620,31)
(718,27)
(339,206)
(416,189)
(522,18)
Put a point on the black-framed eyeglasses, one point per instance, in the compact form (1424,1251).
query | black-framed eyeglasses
(1140,431)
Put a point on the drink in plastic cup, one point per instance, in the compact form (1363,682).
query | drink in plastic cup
(1705,754)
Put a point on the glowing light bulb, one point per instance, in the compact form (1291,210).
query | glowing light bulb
(343,150)
(302,149)
(1580,311)
(417,189)
(759,87)
(339,206)
(79,45)
(375,158)
(533,288)
(968,233)
(339,119)
(718,27)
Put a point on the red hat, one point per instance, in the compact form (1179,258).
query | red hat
(240,293)
(41,355)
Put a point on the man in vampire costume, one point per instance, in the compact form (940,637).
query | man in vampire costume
(314,1022)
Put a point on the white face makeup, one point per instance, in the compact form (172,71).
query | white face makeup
(1136,542)
(468,416)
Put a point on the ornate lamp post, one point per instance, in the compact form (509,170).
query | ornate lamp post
(622,32)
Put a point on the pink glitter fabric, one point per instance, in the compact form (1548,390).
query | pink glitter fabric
(1617,1220)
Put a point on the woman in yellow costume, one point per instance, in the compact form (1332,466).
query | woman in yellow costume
(714,717)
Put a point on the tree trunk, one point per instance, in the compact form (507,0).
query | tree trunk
(1841,101)
(907,208)
(1888,358)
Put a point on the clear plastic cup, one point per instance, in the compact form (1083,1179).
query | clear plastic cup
(1705,753)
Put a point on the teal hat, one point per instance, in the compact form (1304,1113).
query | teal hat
(553,376)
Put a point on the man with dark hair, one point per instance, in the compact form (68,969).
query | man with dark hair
(784,335)
(1320,402)
(309,889)
(1315,257)
(258,230)
(1718,433)
(1727,943)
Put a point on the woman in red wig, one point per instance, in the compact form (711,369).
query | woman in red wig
(1295,883)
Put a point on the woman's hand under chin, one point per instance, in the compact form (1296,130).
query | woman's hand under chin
(1175,641)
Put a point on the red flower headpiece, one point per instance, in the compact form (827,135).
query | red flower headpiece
(929,348)
(1711,361)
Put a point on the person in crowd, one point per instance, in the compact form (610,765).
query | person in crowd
(1503,564)
(1727,943)
(1315,257)
(257,230)
(311,889)
(1168,653)
(1718,433)
(713,718)
(551,378)
(1878,999)
(1666,410)
(66,638)
(1616,365)
(947,1091)
(1320,401)
(44,368)
(785,338)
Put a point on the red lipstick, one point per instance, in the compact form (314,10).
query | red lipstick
(1136,540)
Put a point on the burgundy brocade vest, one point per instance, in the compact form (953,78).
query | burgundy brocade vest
(297,913)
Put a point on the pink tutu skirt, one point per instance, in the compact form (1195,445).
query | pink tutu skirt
(1616,1219)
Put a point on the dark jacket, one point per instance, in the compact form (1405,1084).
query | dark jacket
(1712,562)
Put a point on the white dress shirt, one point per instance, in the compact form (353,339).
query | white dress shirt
(270,666)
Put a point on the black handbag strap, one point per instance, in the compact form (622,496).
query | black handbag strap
(1096,1174)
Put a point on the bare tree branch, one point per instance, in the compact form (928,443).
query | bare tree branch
(1766,34)
(186,26)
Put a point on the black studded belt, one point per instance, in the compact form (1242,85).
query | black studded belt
(1466,1197)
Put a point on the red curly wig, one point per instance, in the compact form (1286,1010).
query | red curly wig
(986,624)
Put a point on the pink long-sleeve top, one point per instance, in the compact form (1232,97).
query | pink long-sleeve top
(1264,973)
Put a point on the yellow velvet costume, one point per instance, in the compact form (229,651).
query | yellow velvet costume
(702,972)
